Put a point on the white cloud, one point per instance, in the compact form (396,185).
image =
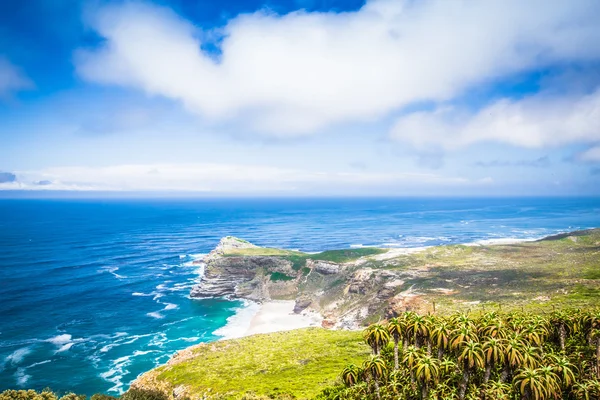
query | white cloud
(590,155)
(12,79)
(226,178)
(302,72)
(537,121)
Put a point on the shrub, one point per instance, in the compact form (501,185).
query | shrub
(143,394)
(73,396)
(101,396)
(45,394)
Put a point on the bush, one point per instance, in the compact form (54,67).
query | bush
(73,396)
(101,396)
(143,394)
(45,394)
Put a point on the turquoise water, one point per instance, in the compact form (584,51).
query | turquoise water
(95,292)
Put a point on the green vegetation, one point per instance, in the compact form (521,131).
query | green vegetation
(299,363)
(337,256)
(278,276)
(558,272)
(260,251)
(298,258)
(493,356)
(47,394)
(347,255)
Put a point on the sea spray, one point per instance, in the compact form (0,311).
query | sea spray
(239,323)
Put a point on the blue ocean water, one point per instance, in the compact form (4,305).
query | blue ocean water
(95,292)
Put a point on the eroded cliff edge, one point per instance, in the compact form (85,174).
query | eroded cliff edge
(356,286)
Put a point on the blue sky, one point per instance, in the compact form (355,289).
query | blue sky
(300,97)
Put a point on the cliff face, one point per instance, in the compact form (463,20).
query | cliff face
(338,290)
(245,277)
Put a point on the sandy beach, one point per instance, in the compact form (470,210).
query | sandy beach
(278,315)
(270,316)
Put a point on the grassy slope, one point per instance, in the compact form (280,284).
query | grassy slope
(302,362)
(555,272)
(299,258)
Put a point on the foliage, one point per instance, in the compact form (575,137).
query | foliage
(342,256)
(144,394)
(279,276)
(100,396)
(491,356)
(45,394)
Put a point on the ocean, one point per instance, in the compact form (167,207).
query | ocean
(95,292)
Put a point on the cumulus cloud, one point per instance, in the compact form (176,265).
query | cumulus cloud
(226,178)
(12,80)
(538,121)
(299,73)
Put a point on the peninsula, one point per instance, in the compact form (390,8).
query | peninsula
(347,290)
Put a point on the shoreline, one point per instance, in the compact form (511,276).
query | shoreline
(268,317)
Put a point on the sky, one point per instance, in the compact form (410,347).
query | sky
(300,97)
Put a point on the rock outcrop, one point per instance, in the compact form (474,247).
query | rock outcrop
(227,274)
(324,267)
(344,293)
(244,276)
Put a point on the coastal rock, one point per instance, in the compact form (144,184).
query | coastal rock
(323,267)
(360,281)
(243,277)
(404,301)
(327,324)
(301,304)
(226,245)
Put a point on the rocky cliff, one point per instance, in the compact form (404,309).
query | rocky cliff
(334,283)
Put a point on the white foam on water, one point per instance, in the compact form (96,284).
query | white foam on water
(200,270)
(489,242)
(22,377)
(106,348)
(65,347)
(38,363)
(158,340)
(155,314)
(18,355)
(64,342)
(113,271)
(60,339)
(239,323)
(170,306)
(157,296)
(116,373)
(142,294)
(141,353)
(177,322)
